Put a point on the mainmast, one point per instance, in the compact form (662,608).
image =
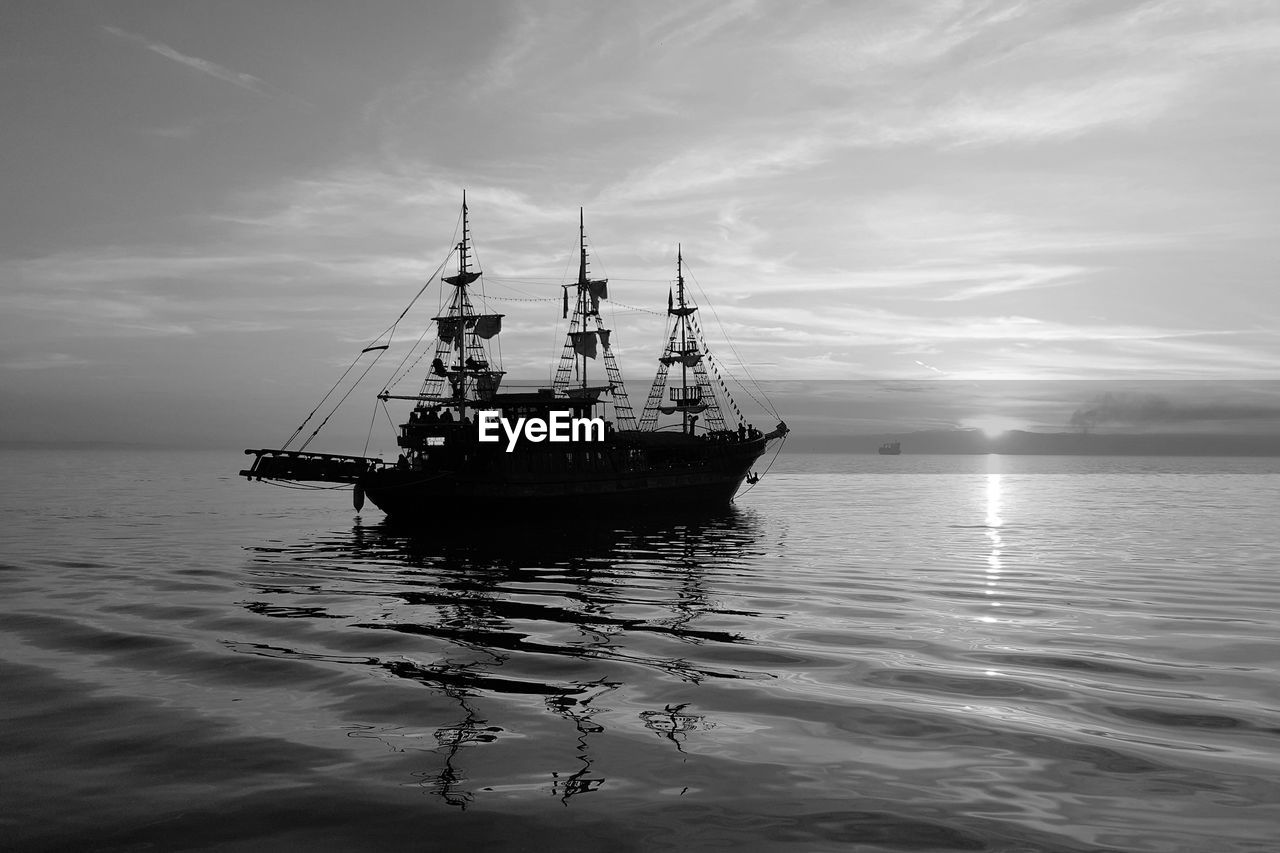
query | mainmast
(684,333)
(586,331)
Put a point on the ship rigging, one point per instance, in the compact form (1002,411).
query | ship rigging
(643,461)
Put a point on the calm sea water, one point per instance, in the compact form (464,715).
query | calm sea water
(870,653)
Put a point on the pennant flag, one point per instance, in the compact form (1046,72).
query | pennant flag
(566,303)
(604,338)
(670,302)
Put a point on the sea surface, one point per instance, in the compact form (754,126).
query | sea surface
(914,653)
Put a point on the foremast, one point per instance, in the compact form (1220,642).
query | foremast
(588,337)
(464,371)
(687,348)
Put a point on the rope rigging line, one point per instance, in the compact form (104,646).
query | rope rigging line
(398,374)
(556,281)
(762,404)
(741,361)
(484,302)
(412,349)
(525,298)
(641,310)
(369,435)
(338,405)
(453,240)
(323,399)
(761,476)
(388,333)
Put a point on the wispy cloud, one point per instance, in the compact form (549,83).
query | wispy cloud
(1055,111)
(694,23)
(43,361)
(714,164)
(953,282)
(213,69)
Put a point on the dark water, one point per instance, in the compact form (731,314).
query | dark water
(870,653)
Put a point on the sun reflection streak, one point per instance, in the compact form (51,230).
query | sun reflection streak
(993,500)
(993,523)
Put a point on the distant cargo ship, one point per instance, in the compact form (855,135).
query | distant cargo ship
(891,448)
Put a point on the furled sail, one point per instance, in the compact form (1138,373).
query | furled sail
(688,359)
(692,408)
(462,278)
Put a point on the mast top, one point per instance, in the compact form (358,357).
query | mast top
(680,308)
(464,276)
(582,249)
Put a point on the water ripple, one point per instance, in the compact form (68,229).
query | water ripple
(972,658)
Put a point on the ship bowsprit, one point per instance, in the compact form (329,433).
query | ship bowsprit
(301,466)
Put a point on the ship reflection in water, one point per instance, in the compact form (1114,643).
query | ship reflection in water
(556,635)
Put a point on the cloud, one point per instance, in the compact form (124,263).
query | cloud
(43,361)
(1057,110)
(714,164)
(947,283)
(695,23)
(1146,409)
(1021,73)
(213,69)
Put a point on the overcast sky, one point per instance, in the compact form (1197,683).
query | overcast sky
(211,207)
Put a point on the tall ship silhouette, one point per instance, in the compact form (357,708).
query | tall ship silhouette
(579,444)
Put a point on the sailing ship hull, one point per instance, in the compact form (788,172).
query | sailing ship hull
(706,479)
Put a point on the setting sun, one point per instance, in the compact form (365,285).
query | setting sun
(992,426)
